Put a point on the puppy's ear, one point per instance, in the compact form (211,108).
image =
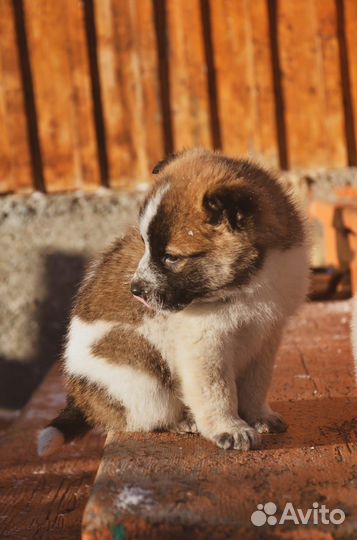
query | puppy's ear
(162,164)
(234,204)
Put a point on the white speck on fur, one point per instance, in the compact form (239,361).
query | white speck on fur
(190,233)
(131,497)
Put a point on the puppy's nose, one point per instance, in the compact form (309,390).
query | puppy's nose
(139,289)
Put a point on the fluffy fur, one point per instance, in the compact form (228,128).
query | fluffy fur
(219,262)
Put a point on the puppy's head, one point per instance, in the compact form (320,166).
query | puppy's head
(206,226)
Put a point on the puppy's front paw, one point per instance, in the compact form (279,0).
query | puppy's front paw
(241,437)
(270,423)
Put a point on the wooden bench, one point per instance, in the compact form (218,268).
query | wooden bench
(166,486)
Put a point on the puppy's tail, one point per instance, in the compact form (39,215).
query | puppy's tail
(68,425)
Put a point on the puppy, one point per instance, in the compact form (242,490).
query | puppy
(176,327)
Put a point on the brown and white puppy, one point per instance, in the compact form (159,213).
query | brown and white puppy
(219,262)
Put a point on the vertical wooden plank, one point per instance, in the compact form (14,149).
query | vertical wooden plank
(244,78)
(301,83)
(350,23)
(149,76)
(312,83)
(233,84)
(235,103)
(264,128)
(83,114)
(188,75)
(330,80)
(115,52)
(130,88)
(57,47)
(15,164)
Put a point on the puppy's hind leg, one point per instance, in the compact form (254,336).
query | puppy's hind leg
(187,424)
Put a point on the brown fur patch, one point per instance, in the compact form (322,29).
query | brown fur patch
(106,294)
(128,347)
(198,173)
(97,406)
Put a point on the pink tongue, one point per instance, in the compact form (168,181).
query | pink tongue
(142,301)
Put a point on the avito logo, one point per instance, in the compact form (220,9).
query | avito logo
(266,513)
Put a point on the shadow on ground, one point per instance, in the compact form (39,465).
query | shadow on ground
(62,274)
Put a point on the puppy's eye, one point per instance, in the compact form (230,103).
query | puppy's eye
(170,259)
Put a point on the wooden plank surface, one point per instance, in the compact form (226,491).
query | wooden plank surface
(242,58)
(15,164)
(188,75)
(170,486)
(264,128)
(312,85)
(328,69)
(350,25)
(317,57)
(130,89)
(44,499)
(59,62)
(151,123)
(303,93)
(232,50)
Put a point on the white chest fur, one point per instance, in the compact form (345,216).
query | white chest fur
(243,321)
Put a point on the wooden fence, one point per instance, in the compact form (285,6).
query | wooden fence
(94,92)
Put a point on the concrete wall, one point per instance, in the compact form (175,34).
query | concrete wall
(45,242)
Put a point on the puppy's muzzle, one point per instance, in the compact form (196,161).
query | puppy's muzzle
(139,289)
